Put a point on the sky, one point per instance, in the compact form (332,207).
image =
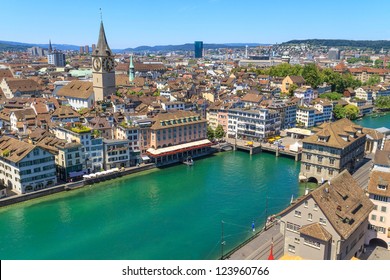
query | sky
(132,23)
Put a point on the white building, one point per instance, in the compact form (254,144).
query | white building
(168,106)
(80,94)
(25,167)
(116,153)
(305,93)
(92,147)
(253,124)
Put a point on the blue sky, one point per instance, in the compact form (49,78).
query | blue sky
(131,23)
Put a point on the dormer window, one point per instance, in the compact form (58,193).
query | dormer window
(382,187)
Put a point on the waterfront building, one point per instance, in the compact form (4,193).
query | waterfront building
(25,167)
(292,80)
(379,193)
(212,116)
(198,49)
(312,115)
(68,157)
(176,135)
(335,147)
(92,146)
(365,93)
(306,94)
(256,124)
(80,94)
(116,153)
(287,110)
(103,65)
(374,140)
(329,223)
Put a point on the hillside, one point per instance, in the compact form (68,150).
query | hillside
(378,44)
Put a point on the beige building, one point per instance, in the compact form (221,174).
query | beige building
(335,147)
(329,223)
(103,64)
(292,80)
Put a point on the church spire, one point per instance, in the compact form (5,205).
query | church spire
(102,47)
(131,69)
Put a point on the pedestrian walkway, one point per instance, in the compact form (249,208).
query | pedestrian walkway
(259,247)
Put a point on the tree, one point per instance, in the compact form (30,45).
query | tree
(331,95)
(219,133)
(210,133)
(373,80)
(339,111)
(311,74)
(292,88)
(351,111)
(383,102)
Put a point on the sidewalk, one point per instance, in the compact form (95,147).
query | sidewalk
(259,247)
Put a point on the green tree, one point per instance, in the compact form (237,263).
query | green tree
(339,111)
(331,95)
(351,111)
(219,133)
(373,80)
(383,102)
(292,88)
(210,133)
(378,63)
(311,74)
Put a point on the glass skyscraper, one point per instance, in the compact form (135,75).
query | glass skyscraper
(198,49)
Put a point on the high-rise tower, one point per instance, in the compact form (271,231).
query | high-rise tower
(103,64)
(131,69)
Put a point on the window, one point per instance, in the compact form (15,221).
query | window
(307,167)
(306,203)
(375,207)
(322,221)
(380,198)
(310,216)
(331,161)
(383,209)
(382,187)
(291,248)
(312,243)
(320,159)
(330,172)
(382,219)
(315,206)
(373,217)
(308,157)
(297,213)
(319,169)
(292,227)
(297,240)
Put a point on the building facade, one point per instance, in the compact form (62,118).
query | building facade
(335,147)
(198,49)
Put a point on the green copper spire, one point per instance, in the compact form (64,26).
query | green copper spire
(131,69)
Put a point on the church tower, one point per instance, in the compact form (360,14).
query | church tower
(103,64)
(131,69)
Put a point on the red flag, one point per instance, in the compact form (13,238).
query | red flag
(271,254)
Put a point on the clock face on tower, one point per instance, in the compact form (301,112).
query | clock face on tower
(108,64)
(97,64)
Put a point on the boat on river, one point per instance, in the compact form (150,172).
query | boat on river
(189,161)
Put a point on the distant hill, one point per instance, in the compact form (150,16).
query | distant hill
(378,44)
(18,46)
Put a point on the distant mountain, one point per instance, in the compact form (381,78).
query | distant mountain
(18,46)
(189,47)
(378,44)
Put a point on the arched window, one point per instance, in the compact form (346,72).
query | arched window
(310,216)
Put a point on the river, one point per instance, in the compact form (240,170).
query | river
(169,213)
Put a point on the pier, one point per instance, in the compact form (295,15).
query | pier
(257,147)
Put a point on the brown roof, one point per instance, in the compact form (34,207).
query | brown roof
(333,131)
(162,119)
(316,230)
(379,178)
(22,85)
(251,97)
(23,114)
(382,157)
(65,112)
(78,89)
(374,134)
(13,149)
(297,79)
(5,73)
(342,201)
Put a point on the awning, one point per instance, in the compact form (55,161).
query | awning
(178,148)
(76,174)
(145,157)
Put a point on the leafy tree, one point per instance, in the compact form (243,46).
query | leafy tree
(339,111)
(311,74)
(292,88)
(210,133)
(378,63)
(383,102)
(219,132)
(351,111)
(373,80)
(331,95)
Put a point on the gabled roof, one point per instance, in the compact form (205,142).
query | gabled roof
(379,178)
(317,231)
(22,85)
(77,89)
(297,79)
(13,149)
